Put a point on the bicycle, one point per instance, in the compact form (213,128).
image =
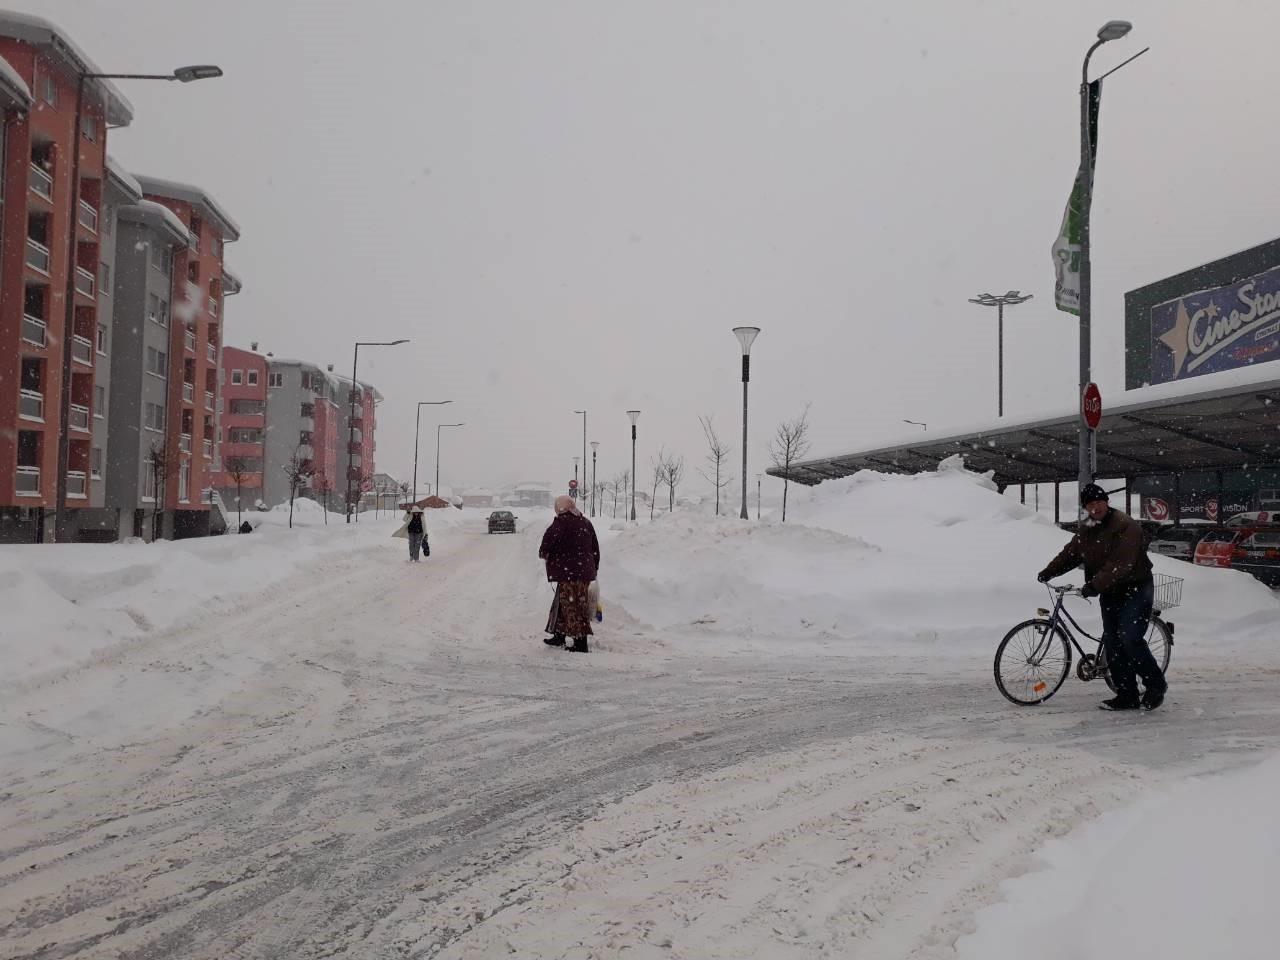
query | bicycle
(1034,658)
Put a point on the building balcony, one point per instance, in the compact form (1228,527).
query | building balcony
(188,392)
(212,351)
(79,418)
(35,331)
(208,401)
(88,217)
(189,341)
(206,447)
(357,423)
(184,442)
(37,256)
(213,306)
(27,482)
(85,282)
(82,350)
(77,485)
(41,182)
(355,447)
(31,405)
(305,452)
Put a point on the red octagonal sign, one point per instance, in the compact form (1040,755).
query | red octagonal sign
(1091,406)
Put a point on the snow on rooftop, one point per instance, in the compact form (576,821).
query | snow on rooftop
(39,31)
(171,219)
(126,178)
(176,190)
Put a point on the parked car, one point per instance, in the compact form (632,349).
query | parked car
(1175,541)
(1252,518)
(1253,549)
(502,521)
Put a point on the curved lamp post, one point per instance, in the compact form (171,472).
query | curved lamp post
(745,335)
(417,425)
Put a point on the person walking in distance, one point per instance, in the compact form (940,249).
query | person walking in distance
(417,530)
(572,554)
(1110,546)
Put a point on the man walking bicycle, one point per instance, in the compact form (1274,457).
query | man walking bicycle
(1110,546)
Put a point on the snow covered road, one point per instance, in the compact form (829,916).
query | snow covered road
(375,759)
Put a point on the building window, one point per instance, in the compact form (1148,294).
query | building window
(104,279)
(184,481)
(162,258)
(215,246)
(244,435)
(102,339)
(89,124)
(157,362)
(96,462)
(237,377)
(99,399)
(153,416)
(148,481)
(48,88)
(153,308)
(253,378)
(275,379)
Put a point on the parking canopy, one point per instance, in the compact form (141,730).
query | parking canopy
(1230,423)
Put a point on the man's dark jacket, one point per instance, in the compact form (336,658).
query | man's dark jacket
(571,549)
(1114,554)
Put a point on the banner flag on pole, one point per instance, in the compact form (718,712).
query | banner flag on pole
(1066,248)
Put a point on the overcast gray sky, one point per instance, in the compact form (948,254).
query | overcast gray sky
(569,204)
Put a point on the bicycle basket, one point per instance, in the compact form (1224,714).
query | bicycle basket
(1168,591)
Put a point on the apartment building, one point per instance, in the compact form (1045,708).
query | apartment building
(243,427)
(197,296)
(304,407)
(48,238)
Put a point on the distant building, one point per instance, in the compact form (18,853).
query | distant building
(532,493)
(479,497)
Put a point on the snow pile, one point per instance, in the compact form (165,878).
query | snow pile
(65,602)
(936,559)
(1181,875)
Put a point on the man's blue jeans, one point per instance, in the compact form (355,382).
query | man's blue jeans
(1126,618)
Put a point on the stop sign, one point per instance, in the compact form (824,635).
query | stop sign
(1091,406)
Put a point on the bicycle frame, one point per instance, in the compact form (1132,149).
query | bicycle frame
(1056,620)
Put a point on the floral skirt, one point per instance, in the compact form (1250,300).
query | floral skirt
(570,611)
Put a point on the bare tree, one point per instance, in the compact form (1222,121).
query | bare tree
(160,465)
(672,474)
(790,442)
(405,494)
(323,485)
(297,471)
(659,463)
(717,455)
(237,468)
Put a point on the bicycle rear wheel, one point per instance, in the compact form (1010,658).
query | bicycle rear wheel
(1159,642)
(1032,662)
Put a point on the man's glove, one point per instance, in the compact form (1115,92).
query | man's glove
(1042,577)
(1087,591)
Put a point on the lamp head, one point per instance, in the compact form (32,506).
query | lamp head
(1114,30)
(634,415)
(746,335)
(204,71)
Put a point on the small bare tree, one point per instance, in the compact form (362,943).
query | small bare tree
(790,442)
(323,485)
(297,471)
(659,463)
(672,474)
(405,494)
(237,468)
(717,455)
(160,465)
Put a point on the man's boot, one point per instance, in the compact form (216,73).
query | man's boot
(1120,703)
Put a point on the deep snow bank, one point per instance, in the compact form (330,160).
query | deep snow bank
(1182,875)
(884,560)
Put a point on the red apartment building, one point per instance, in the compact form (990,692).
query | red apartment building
(200,286)
(243,426)
(36,224)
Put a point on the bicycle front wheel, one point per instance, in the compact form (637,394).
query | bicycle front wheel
(1032,662)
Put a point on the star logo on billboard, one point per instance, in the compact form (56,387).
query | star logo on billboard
(1176,338)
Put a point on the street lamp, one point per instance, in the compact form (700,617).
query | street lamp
(417,423)
(987,300)
(917,423)
(574,491)
(1111,30)
(584,447)
(745,337)
(186,75)
(595,448)
(351,417)
(439,427)
(759,478)
(634,415)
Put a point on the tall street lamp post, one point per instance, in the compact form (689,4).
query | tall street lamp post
(745,337)
(595,448)
(1000,302)
(439,427)
(574,492)
(634,415)
(182,75)
(584,448)
(1111,30)
(417,424)
(759,478)
(351,417)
